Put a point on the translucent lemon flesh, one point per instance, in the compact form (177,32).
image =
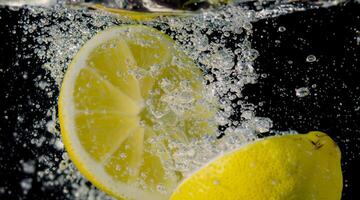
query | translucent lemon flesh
(291,167)
(126,95)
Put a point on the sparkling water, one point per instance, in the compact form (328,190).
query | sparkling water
(216,39)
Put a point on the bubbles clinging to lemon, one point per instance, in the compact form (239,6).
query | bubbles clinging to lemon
(126,97)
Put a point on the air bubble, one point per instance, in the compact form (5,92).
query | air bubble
(302,92)
(310,58)
(26,185)
(281,29)
(29,167)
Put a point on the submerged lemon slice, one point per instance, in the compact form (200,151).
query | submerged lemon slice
(143,15)
(289,167)
(127,95)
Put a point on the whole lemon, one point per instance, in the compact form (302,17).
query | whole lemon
(289,167)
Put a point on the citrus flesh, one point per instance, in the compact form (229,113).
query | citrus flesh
(290,167)
(125,96)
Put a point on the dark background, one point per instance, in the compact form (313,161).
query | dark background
(333,105)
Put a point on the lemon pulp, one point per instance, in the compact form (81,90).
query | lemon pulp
(125,97)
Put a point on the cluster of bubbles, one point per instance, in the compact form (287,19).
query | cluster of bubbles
(59,32)
(217,40)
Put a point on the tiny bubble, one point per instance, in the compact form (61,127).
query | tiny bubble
(29,167)
(302,92)
(310,58)
(25,75)
(281,29)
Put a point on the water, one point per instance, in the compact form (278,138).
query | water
(217,39)
(214,55)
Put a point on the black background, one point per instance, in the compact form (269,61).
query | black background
(333,106)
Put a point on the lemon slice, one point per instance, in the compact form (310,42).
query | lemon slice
(127,95)
(143,15)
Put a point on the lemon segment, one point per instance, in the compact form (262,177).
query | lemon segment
(127,93)
(128,156)
(113,66)
(100,134)
(290,167)
(141,43)
(96,93)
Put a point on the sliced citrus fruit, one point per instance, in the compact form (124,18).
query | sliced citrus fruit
(143,15)
(126,96)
